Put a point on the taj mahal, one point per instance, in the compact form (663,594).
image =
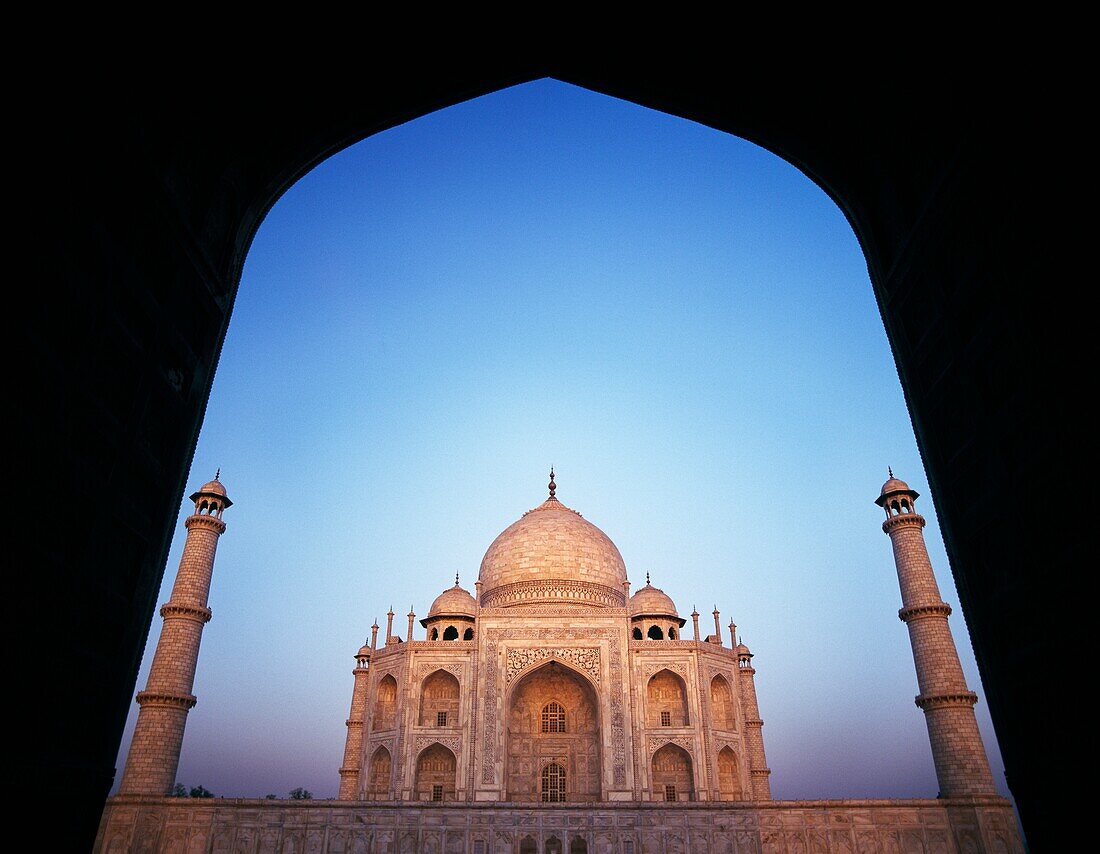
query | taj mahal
(554,711)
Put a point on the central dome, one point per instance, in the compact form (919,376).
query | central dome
(552,554)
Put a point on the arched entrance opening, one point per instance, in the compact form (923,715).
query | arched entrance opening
(729,776)
(439,700)
(435,774)
(381,769)
(673,777)
(553,737)
(666,697)
(721,704)
(385,705)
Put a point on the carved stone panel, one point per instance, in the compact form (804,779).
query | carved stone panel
(493,688)
(585,659)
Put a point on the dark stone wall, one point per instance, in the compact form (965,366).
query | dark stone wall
(140,213)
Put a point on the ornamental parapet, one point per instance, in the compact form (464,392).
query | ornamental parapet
(190,612)
(927,702)
(561,591)
(700,646)
(760,772)
(350,723)
(213,523)
(163,698)
(437,645)
(905,520)
(754,722)
(919,612)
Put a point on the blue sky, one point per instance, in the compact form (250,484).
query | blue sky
(677,320)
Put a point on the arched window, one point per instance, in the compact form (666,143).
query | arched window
(553,782)
(729,778)
(468,634)
(671,633)
(553,718)
(435,634)
(721,704)
(435,774)
(637,634)
(672,774)
(439,699)
(379,784)
(450,633)
(578,846)
(655,633)
(667,700)
(385,704)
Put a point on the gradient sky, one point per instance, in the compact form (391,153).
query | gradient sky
(678,320)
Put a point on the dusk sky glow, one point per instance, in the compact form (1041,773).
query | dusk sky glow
(676,319)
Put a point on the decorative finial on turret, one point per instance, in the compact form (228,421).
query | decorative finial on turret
(647,579)
(218,473)
(456,579)
(890,472)
(553,486)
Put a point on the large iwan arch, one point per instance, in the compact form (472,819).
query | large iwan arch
(553,720)
(947,189)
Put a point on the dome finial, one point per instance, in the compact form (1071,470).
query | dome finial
(647,579)
(553,486)
(456,579)
(218,474)
(890,472)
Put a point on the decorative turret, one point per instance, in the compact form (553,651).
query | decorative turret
(353,746)
(759,773)
(653,614)
(452,615)
(948,705)
(155,750)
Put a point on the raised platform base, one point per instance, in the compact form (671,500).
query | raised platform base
(194,826)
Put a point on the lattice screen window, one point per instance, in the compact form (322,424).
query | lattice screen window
(440,718)
(437,792)
(553,718)
(666,718)
(553,783)
(670,793)
(628,846)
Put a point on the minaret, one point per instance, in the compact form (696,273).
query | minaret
(695,622)
(155,750)
(718,628)
(948,705)
(754,727)
(353,747)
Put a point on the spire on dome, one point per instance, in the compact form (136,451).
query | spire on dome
(647,579)
(890,472)
(456,579)
(553,486)
(218,474)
